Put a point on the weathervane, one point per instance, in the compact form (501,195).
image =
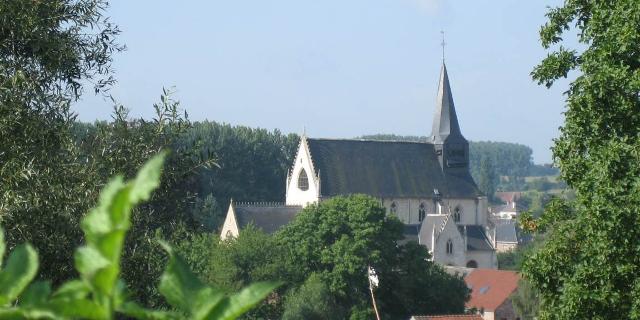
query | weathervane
(442,44)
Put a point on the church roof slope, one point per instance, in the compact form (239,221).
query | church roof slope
(268,218)
(384,169)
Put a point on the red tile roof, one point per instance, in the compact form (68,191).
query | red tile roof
(449,317)
(490,288)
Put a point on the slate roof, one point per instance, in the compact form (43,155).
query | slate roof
(445,120)
(385,169)
(476,238)
(269,218)
(506,231)
(490,288)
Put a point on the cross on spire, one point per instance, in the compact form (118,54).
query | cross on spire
(442,44)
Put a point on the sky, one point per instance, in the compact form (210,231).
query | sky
(338,68)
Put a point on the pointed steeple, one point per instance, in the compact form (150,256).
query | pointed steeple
(445,120)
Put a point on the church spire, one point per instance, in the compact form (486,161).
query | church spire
(445,120)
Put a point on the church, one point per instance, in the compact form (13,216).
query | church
(427,185)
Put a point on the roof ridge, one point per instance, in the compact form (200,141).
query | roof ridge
(245,204)
(371,140)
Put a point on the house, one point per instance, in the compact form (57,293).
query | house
(426,185)
(491,291)
(510,209)
(506,235)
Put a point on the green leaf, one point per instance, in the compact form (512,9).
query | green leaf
(183,289)
(36,294)
(20,270)
(133,310)
(81,308)
(88,261)
(148,179)
(72,290)
(239,303)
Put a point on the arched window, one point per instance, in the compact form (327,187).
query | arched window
(303,180)
(457,212)
(472,264)
(422,212)
(394,208)
(449,246)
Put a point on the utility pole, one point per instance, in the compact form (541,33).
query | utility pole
(373,282)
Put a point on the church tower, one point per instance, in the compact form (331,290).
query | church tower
(451,147)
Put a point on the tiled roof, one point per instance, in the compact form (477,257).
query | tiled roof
(269,218)
(449,317)
(385,169)
(490,288)
(508,196)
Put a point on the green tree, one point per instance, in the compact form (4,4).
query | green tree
(49,52)
(588,266)
(338,238)
(487,178)
(311,301)
(526,301)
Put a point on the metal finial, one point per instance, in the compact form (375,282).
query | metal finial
(442,44)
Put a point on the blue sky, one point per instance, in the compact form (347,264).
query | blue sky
(339,68)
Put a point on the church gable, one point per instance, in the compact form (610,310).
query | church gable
(303,182)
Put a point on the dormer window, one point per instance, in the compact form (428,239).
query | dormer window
(457,212)
(303,180)
(394,208)
(422,212)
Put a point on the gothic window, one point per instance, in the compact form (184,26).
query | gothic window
(457,212)
(303,180)
(472,264)
(394,208)
(422,212)
(449,246)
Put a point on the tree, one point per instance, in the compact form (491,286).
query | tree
(526,301)
(339,238)
(587,268)
(311,301)
(487,178)
(49,51)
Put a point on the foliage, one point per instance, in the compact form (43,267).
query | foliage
(486,178)
(252,163)
(49,51)
(100,293)
(588,266)
(526,301)
(338,238)
(122,145)
(418,286)
(311,301)
(235,263)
